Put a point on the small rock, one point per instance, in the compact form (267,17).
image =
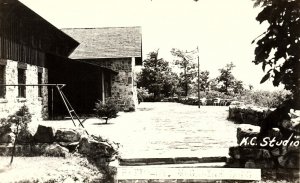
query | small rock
(276,152)
(250,164)
(44,134)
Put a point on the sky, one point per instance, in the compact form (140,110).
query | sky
(222,30)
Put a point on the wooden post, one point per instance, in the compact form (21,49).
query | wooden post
(198,79)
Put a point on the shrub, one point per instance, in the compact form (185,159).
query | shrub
(142,94)
(106,110)
(20,120)
(266,98)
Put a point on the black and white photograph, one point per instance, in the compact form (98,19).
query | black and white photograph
(149,91)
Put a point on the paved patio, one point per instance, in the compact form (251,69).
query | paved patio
(166,130)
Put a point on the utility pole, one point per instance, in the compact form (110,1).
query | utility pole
(198,79)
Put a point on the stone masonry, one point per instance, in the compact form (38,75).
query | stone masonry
(123,85)
(38,106)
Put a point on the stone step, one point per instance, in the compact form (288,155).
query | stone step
(176,160)
(195,165)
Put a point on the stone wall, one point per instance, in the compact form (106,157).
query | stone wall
(275,153)
(123,85)
(243,114)
(38,106)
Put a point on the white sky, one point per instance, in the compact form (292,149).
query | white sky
(223,30)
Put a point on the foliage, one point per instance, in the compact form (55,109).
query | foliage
(278,47)
(157,77)
(185,63)
(265,98)
(106,110)
(213,84)
(20,120)
(226,78)
(204,81)
(238,87)
(142,94)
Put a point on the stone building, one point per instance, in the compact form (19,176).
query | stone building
(27,44)
(93,63)
(115,48)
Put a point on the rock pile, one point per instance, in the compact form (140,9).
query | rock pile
(50,142)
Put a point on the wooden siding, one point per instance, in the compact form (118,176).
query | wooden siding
(14,51)
(27,37)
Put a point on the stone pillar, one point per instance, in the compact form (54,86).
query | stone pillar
(134,86)
(102,87)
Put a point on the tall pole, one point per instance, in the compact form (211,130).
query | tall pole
(198,79)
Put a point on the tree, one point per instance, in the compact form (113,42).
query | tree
(213,84)
(204,81)
(282,38)
(226,78)
(188,73)
(156,76)
(238,87)
(278,49)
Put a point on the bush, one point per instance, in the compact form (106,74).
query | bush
(106,110)
(266,98)
(142,94)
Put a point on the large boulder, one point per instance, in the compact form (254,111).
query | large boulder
(245,134)
(68,135)
(55,150)
(95,148)
(44,134)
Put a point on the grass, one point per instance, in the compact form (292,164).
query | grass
(48,169)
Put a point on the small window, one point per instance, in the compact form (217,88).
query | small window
(2,81)
(21,81)
(40,76)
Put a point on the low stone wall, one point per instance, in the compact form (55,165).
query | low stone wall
(59,143)
(276,155)
(243,114)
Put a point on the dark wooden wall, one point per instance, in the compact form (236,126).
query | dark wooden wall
(26,37)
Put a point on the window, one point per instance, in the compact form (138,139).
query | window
(40,76)
(21,81)
(2,81)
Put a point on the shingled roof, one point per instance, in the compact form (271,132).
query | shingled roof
(107,42)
